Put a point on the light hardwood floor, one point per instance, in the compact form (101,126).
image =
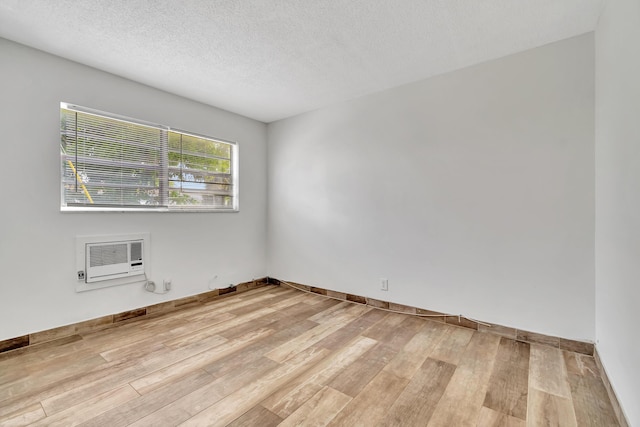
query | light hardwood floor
(277,356)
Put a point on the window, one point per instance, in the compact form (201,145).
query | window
(111,162)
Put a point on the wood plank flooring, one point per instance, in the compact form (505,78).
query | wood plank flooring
(277,356)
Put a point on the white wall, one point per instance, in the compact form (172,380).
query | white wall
(618,199)
(37,249)
(472,192)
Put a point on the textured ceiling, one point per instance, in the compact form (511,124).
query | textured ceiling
(270,59)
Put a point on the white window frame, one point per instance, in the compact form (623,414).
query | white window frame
(164,185)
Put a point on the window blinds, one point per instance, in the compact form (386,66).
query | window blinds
(109,161)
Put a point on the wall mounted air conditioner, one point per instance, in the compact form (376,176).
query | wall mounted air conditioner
(113,260)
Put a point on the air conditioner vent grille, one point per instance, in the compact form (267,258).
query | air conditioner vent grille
(110,254)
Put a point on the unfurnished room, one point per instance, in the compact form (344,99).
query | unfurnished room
(320,213)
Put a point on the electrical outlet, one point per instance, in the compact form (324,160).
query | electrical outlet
(167,284)
(384,284)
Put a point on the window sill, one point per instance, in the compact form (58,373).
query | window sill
(149,210)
